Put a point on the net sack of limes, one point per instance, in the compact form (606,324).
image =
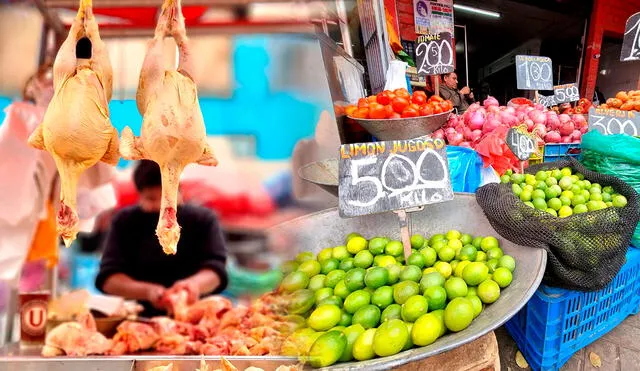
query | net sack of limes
(583,219)
(364,300)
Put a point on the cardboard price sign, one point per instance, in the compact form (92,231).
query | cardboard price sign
(566,93)
(521,143)
(613,121)
(631,42)
(435,54)
(534,73)
(549,101)
(392,175)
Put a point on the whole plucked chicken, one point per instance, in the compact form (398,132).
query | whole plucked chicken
(76,129)
(173,132)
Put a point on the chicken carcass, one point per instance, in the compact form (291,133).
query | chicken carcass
(76,129)
(79,338)
(173,131)
(133,337)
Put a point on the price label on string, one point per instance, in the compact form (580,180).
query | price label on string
(521,143)
(392,175)
(631,42)
(549,101)
(534,73)
(613,121)
(435,54)
(566,93)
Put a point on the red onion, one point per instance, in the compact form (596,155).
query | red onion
(465,144)
(467,133)
(538,106)
(530,124)
(473,107)
(540,130)
(438,134)
(553,123)
(455,139)
(493,109)
(491,101)
(491,125)
(584,129)
(507,118)
(537,117)
(476,120)
(552,137)
(449,131)
(567,139)
(476,135)
(564,118)
(566,128)
(576,135)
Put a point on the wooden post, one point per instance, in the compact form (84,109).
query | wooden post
(537,99)
(404,232)
(436,85)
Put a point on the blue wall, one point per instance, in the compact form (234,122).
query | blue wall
(277,119)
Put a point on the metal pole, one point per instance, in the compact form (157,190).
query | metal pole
(466,55)
(344,27)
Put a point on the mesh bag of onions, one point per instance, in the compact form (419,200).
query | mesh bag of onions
(584,251)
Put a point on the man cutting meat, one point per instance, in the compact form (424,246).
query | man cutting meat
(135,267)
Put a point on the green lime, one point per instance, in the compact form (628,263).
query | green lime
(430,256)
(368,316)
(578,200)
(340,253)
(457,271)
(454,244)
(556,173)
(393,311)
(443,268)
(565,211)
(356,244)
(363,259)
(455,287)
(503,277)
(439,314)
(417,241)
(567,194)
(431,279)
(411,273)
(458,314)
(466,239)
(566,183)
(539,203)
(325,254)
(426,330)
(552,192)
(352,333)
(551,211)
(294,281)
(508,262)
(468,252)
(436,237)
(385,260)
(438,245)
(414,307)
(333,300)
(337,328)
(473,291)
(453,235)
(477,242)
(488,243)
(416,259)
(341,289)
(504,179)
(551,181)
(619,201)
(316,282)
(329,265)
(394,248)
(376,277)
(566,201)
(428,270)
(345,319)
(363,346)
(516,189)
(492,264)
(608,189)
(351,235)
(542,175)
(495,253)
(334,277)
(355,279)
(530,204)
(301,301)
(382,297)
(447,253)
(390,338)
(517,178)
(555,203)
(289,266)
(477,305)
(454,265)
(304,256)
(323,293)
(596,197)
(394,273)
(324,317)
(488,291)
(376,245)
(606,197)
(436,296)
(327,349)
(525,195)
(481,256)
(346,264)
(475,273)
(356,300)
(538,193)
(404,290)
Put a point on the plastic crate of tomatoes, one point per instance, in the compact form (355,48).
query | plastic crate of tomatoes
(398,104)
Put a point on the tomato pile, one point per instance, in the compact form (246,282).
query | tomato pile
(398,104)
(626,101)
(581,108)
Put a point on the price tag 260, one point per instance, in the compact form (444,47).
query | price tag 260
(392,175)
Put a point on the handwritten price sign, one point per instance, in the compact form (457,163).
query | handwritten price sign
(631,42)
(521,143)
(534,73)
(549,101)
(613,121)
(392,175)
(434,54)
(566,93)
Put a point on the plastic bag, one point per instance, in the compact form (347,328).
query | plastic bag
(617,155)
(465,169)
(396,76)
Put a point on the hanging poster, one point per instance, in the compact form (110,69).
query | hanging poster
(433,17)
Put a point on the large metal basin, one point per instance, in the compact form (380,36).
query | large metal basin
(406,128)
(322,173)
(325,229)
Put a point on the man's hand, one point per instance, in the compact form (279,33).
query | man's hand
(190,286)
(465,90)
(155,295)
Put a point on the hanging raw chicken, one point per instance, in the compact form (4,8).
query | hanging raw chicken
(76,129)
(173,132)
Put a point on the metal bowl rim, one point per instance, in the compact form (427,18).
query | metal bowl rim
(402,118)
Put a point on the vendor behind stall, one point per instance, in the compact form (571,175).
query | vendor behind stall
(461,99)
(135,267)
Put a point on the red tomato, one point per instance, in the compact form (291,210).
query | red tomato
(395,115)
(426,110)
(350,109)
(403,93)
(420,92)
(389,111)
(415,106)
(445,106)
(363,103)
(383,99)
(377,111)
(410,112)
(361,113)
(372,99)
(391,95)
(419,98)
(437,109)
(399,104)
(435,98)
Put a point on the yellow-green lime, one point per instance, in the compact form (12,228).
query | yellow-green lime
(345,319)
(492,264)
(411,273)
(565,211)
(333,300)
(619,201)
(453,235)
(394,273)
(323,293)
(426,330)
(409,344)
(404,290)
(355,279)
(294,281)
(431,279)
(459,268)
(368,316)
(377,244)
(454,244)
(503,277)
(393,311)
(507,261)
(488,291)
(340,253)
(488,243)
(356,300)
(316,282)
(446,254)
(289,266)
(327,349)
(417,241)
(304,256)
(495,253)
(458,314)
(341,289)
(430,256)
(363,346)
(333,277)
(443,268)
(324,317)
(300,301)
(385,260)
(475,273)
(352,333)
(394,248)
(325,254)
(382,297)
(455,287)
(390,338)
(466,239)
(356,244)
(376,277)
(329,265)
(363,259)
(346,264)
(436,296)
(416,259)
(414,307)
(477,305)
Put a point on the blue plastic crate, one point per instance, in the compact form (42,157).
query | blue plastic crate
(557,152)
(556,323)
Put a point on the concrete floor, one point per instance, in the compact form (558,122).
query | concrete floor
(619,350)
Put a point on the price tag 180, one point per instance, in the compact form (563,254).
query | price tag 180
(566,93)
(392,175)
(613,121)
(521,143)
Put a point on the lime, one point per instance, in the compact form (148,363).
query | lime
(453,235)
(289,266)
(488,243)
(551,181)
(458,314)
(430,280)
(508,262)
(294,281)
(368,316)
(400,259)
(481,256)
(566,183)
(556,173)
(304,256)
(606,197)
(376,245)
(552,192)
(454,244)
(609,204)
(404,290)
(596,197)
(329,265)
(316,282)
(341,289)
(334,277)
(417,241)
(608,189)
(394,273)
(567,194)
(346,264)
(334,300)
(488,291)
(352,333)
(619,201)
(443,268)
(541,185)
(356,300)
(390,338)
(530,179)
(363,259)
(436,296)
(355,279)
(466,239)
(428,270)
(495,253)
(505,179)
(576,189)
(436,237)
(385,260)
(503,277)
(551,211)
(345,319)
(416,259)
(323,293)
(430,256)
(340,253)
(376,277)
(324,317)
(382,297)
(516,189)
(394,248)
(455,287)
(460,268)
(477,305)
(454,265)
(468,252)
(438,245)
(538,193)
(325,254)
(363,346)
(578,200)
(477,242)
(447,253)
(530,204)
(475,273)
(352,235)
(356,244)
(473,291)
(517,178)
(426,330)
(555,203)
(411,273)
(539,203)
(525,195)
(393,311)
(414,307)
(542,175)
(327,349)
(300,301)
(592,206)
(565,211)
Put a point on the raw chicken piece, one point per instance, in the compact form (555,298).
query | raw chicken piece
(76,129)
(173,131)
(173,344)
(168,367)
(133,337)
(78,338)
(227,366)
